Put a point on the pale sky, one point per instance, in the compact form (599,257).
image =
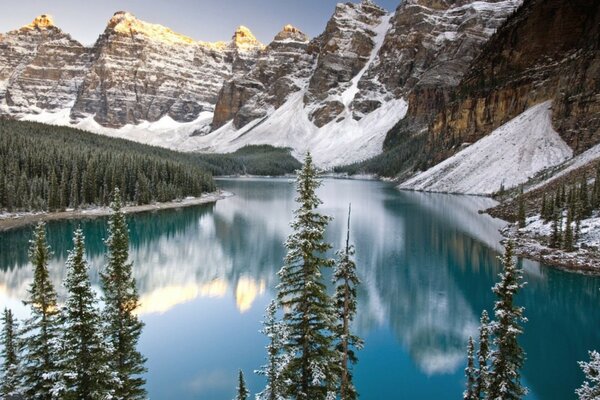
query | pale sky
(199,19)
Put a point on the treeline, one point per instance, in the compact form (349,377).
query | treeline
(251,160)
(51,168)
(401,158)
(76,350)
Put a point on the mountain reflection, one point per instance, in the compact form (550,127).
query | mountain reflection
(427,263)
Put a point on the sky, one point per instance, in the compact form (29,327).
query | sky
(199,19)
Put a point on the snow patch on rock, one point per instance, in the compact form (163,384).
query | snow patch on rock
(509,156)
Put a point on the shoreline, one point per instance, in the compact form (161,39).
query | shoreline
(583,261)
(13,221)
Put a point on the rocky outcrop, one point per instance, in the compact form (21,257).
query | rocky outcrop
(142,72)
(547,50)
(345,48)
(283,64)
(429,49)
(41,68)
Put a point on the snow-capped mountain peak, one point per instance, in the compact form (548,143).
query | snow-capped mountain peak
(124,22)
(244,40)
(43,21)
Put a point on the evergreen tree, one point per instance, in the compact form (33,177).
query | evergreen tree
(521,213)
(242,391)
(346,282)
(86,374)
(277,359)
(10,377)
(543,210)
(470,372)
(555,238)
(483,355)
(590,390)
(123,327)
(311,372)
(586,210)
(508,356)
(568,237)
(40,331)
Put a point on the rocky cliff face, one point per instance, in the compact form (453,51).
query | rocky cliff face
(429,50)
(548,50)
(142,72)
(135,72)
(41,68)
(280,67)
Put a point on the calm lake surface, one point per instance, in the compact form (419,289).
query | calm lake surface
(427,262)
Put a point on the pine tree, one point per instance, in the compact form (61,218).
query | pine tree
(86,374)
(584,198)
(508,356)
(311,371)
(346,282)
(483,355)
(568,237)
(544,210)
(10,377)
(590,390)
(277,359)
(123,328)
(521,213)
(242,391)
(40,331)
(470,372)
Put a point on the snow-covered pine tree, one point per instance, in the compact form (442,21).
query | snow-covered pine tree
(10,385)
(242,391)
(313,366)
(590,390)
(346,282)
(277,359)
(508,356)
(470,372)
(83,357)
(122,326)
(40,331)
(483,355)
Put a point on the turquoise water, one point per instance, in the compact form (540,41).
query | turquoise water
(427,262)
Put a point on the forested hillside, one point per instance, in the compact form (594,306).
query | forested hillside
(45,167)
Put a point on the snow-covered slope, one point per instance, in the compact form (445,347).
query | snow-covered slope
(508,157)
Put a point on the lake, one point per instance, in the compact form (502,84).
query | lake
(427,264)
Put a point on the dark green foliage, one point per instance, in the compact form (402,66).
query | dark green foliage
(41,330)
(393,161)
(85,372)
(252,160)
(242,391)
(42,166)
(9,383)
(311,372)
(346,282)
(508,356)
(470,372)
(483,355)
(123,328)
(521,213)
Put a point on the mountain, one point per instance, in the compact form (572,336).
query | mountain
(349,86)
(419,84)
(135,72)
(41,68)
(547,51)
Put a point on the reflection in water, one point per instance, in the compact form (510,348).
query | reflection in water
(427,263)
